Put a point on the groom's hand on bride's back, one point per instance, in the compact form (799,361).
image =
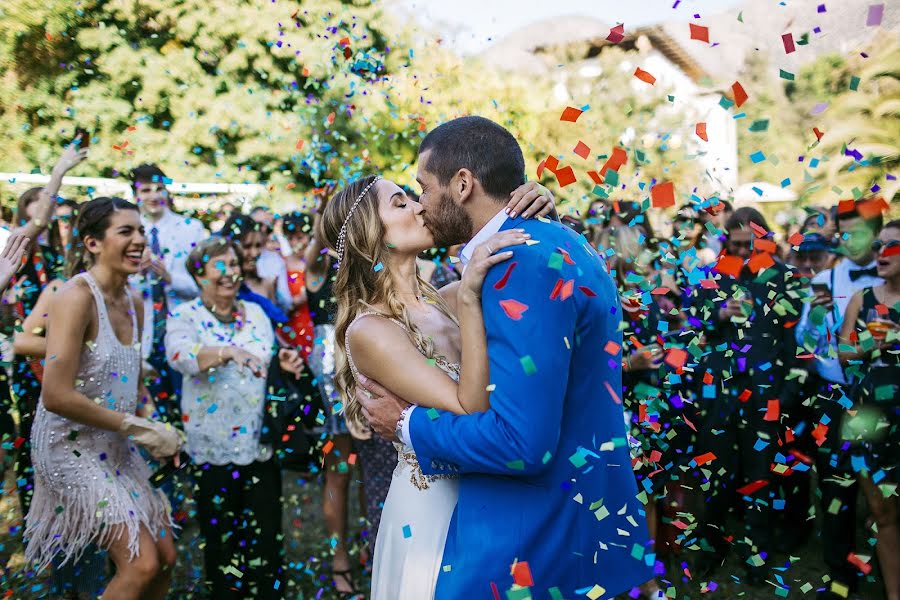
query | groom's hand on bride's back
(530,199)
(380,407)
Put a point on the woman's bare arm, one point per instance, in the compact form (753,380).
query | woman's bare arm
(65,341)
(32,340)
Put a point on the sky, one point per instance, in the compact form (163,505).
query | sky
(470,26)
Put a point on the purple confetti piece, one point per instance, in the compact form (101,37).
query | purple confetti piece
(821,8)
(819,108)
(876,13)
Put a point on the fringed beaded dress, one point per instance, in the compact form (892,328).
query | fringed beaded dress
(89,480)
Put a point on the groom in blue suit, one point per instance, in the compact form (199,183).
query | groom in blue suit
(547,496)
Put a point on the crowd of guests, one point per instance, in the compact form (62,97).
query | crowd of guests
(750,362)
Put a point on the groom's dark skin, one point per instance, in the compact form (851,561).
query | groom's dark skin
(453,213)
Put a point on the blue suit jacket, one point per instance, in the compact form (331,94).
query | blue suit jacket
(546,475)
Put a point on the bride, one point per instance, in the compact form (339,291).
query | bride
(419,343)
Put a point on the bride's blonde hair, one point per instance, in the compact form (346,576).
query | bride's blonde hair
(363,279)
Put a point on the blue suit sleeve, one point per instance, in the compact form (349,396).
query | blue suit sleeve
(529,367)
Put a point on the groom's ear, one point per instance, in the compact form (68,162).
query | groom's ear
(464,185)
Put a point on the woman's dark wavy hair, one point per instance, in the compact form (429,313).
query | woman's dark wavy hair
(93,221)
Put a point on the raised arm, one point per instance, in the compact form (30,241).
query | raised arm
(46,204)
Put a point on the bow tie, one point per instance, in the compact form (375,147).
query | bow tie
(857,273)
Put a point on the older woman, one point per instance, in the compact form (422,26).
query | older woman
(222,346)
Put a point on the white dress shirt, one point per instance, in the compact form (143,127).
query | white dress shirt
(222,407)
(491,227)
(842,289)
(178,235)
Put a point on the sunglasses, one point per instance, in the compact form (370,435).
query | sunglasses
(878,246)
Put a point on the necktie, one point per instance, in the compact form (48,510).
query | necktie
(157,292)
(857,273)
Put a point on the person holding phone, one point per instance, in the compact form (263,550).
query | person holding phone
(822,318)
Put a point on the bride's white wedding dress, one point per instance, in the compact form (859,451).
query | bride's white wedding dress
(415,519)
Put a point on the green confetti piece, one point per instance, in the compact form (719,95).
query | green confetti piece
(433,414)
(611,178)
(786,75)
(725,103)
(556,261)
(854,83)
(637,552)
(528,365)
(518,594)
(578,460)
(835,506)
(600,191)
(759,125)
(555,594)
(516,465)
(546,458)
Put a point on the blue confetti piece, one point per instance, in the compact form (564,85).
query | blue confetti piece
(407,531)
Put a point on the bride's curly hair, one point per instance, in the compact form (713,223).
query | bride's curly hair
(363,280)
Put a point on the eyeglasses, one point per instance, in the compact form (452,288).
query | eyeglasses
(878,245)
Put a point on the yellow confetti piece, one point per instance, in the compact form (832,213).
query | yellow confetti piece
(595,592)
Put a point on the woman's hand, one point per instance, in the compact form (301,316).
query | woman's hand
(245,360)
(70,158)
(291,361)
(530,199)
(160,439)
(11,257)
(485,257)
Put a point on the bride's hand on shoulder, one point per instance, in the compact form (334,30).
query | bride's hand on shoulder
(486,256)
(530,199)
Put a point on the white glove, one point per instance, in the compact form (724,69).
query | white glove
(161,440)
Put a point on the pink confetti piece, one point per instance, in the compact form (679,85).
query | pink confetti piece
(788,40)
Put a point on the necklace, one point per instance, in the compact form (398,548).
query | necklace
(232,317)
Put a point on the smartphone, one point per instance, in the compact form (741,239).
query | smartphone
(165,472)
(83,137)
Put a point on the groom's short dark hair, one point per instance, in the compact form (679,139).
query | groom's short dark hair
(485,148)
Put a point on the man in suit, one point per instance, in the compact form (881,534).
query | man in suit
(545,474)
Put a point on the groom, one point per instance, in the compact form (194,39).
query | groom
(547,496)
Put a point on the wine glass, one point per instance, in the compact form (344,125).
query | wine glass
(879,329)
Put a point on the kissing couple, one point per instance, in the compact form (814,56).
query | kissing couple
(501,391)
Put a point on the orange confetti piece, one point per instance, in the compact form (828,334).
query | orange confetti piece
(540,168)
(740,96)
(551,163)
(644,76)
(663,195)
(676,357)
(327,447)
(765,246)
(330,118)
(582,149)
(565,176)
(595,177)
(611,347)
(872,208)
(299,145)
(513,309)
(864,567)
(699,33)
(700,130)
(760,261)
(796,239)
(752,487)
(618,158)
(570,114)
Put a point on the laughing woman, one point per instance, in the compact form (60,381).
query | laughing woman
(91,483)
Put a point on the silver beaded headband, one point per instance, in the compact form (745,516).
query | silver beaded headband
(343,232)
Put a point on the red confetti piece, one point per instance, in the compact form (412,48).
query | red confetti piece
(707,378)
(587,291)
(864,567)
(501,283)
(760,261)
(796,239)
(730,265)
(872,208)
(595,177)
(556,289)
(570,114)
(540,168)
(344,42)
(566,257)
(663,195)
(522,574)
(565,176)
(709,284)
(616,34)
(644,76)
(688,422)
(704,458)
(752,487)
(327,447)
(758,230)
(582,149)
(819,133)
(299,145)
(773,410)
(699,33)
(740,96)
(19,441)
(611,347)
(612,393)
(618,158)
(551,163)
(820,433)
(513,309)
(330,118)
(700,130)
(660,291)
(568,289)
(745,395)
(788,40)
(845,206)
